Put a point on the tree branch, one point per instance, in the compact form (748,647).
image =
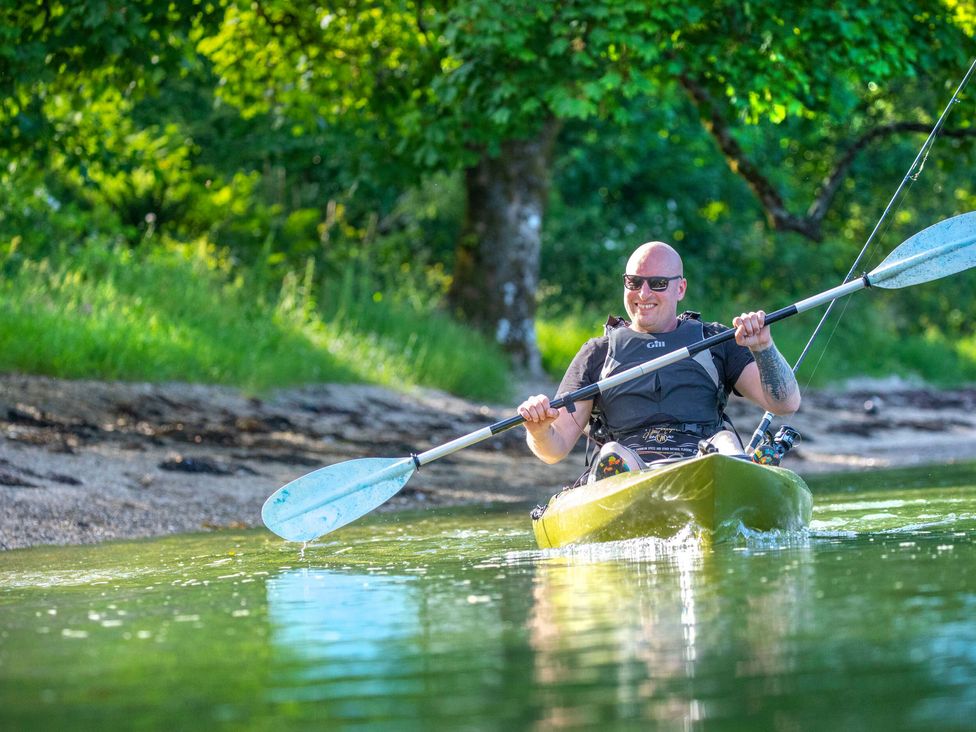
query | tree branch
(777,214)
(809,225)
(828,189)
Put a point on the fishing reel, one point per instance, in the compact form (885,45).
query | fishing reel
(772,449)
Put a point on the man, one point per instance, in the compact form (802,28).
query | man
(668,412)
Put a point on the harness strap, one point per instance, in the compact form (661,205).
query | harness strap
(698,429)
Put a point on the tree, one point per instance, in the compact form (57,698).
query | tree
(478,85)
(402,87)
(485,85)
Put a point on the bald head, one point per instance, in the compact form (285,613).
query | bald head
(654,310)
(655,256)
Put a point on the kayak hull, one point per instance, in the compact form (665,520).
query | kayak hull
(711,492)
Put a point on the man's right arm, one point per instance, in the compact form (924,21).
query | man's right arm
(550,433)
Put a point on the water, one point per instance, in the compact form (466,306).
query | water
(453,620)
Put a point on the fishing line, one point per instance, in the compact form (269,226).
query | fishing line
(910,177)
(846,301)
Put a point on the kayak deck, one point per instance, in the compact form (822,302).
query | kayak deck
(710,491)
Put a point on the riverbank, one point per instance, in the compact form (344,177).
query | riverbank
(89,461)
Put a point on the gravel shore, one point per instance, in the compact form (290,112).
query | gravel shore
(88,461)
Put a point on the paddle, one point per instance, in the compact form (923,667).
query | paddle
(330,497)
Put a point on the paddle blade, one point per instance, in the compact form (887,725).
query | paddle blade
(941,250)
(328,498)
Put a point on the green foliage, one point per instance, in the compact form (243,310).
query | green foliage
(862,342)
(184,312)
(446,83)
(74,49)
(507,66)
(779,60)
(280,133)
(619,186)
(561,337)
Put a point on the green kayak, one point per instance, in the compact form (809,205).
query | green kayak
(709,492)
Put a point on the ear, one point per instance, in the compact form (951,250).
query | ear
(682,287)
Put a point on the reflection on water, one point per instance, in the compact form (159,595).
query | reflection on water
(578,636)
(328,627)
(455,621)
(654,637)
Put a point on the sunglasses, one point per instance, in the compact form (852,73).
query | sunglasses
(658,284)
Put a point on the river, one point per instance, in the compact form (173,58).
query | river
(451,619)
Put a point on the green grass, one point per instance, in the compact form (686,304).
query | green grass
(183,312)
(560,338)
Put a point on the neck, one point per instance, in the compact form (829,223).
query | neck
(663,329)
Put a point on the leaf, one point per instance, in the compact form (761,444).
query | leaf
(501,116)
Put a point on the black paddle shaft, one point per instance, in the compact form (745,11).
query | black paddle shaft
(588,392)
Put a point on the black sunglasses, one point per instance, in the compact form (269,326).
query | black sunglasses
(635,282)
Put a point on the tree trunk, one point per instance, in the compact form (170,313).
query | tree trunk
(496,269)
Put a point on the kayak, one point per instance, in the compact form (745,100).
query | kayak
(711,492)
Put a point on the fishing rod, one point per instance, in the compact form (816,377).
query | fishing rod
(911,175)
(330,497)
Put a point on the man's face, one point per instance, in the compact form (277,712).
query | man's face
(653,311)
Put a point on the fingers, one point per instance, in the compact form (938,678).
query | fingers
(750,324)
(536,410)
(751,330)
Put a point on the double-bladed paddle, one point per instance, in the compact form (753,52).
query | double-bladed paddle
(330,497)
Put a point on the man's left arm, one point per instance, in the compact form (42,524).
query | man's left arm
(769,381)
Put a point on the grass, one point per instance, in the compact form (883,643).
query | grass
(184,312)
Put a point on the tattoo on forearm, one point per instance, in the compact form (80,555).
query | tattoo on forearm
(775,374)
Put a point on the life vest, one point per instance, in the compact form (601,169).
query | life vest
(685,396)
